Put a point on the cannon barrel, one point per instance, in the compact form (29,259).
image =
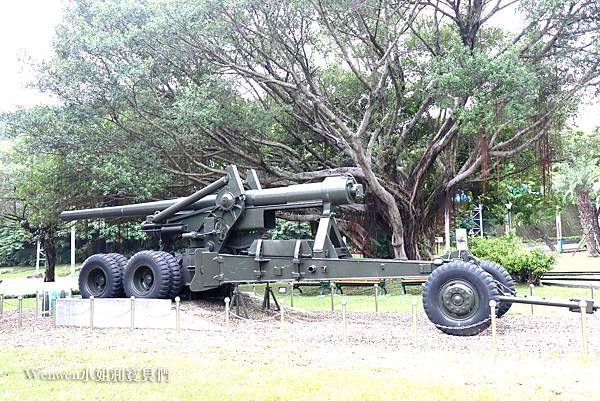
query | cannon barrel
(339,190)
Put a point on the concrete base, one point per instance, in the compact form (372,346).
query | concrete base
(116,313)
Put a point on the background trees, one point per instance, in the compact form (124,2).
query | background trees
(57,162)
(417,99)
(578,179)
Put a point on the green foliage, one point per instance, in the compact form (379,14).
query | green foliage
(579,168)
(291,230)
(523,265)
(14,244)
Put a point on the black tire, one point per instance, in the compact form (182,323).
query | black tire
(122,262)
(147,275)
(456,298)
(100,276)
(502,276)
(176,276)
(120,259)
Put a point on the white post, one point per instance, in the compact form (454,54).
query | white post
(37,258)
(447,228)
(481,220)
(73,251)
(509,217)
(559,243)
(493,317)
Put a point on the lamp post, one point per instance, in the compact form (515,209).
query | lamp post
(509,217)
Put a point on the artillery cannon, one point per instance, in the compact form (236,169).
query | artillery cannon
(224,224)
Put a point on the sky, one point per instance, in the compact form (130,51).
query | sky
(26,32)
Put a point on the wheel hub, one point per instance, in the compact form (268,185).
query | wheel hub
(96,282)
(143,279)
(458,299)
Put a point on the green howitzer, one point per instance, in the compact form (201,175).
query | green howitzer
(224,226)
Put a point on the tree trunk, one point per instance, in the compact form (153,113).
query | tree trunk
(50,250)
(589,221)
(544,237)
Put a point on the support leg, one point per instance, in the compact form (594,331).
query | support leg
(238,300)
(267,298)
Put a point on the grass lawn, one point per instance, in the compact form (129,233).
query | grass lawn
(281,372)
(25,271)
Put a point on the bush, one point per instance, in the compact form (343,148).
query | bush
(524,266)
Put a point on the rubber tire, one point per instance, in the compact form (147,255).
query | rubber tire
(160,269)
(500,274)
(175,271)
(122,261)
(482,282)
(112,270)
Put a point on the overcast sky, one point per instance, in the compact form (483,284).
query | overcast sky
(27,29)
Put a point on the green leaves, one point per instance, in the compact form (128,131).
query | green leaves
(524,266)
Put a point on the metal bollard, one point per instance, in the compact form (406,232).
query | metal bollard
(531,294)
(281,319)
(55,314)
(37,306)
(291,294)
(91,312)
(584,329)
(45,307)
(332,289)
(227,312)
(254,289)
(20,311)
(1,306)
(177,315)
(414,320)
(344,320)
(593,292)
(132,309)
(376,286)
(493,317)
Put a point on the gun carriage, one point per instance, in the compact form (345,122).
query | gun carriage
(225,223)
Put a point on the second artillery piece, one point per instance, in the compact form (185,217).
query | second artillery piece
(224,225)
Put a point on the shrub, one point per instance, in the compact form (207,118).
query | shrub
(524,266)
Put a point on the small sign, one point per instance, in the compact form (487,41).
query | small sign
(461,239)
(282,290)
(439,240)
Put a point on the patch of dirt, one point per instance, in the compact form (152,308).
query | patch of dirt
(383,332)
